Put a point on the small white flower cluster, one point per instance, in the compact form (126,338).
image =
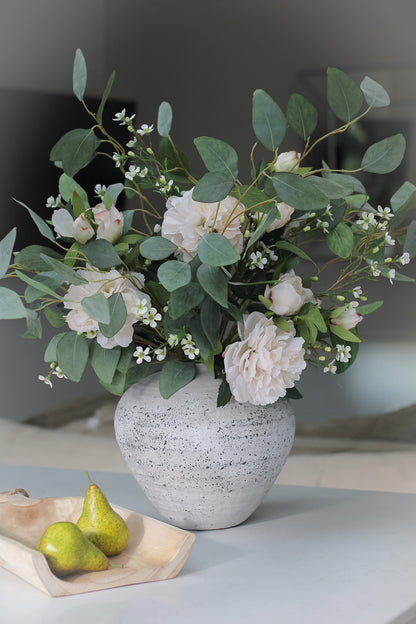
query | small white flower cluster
(122,119)
(404,258)
(145,355)
(343,354)
(259,259)
(118,159)
(54,202)
(136,171)
(145,129)
(56,370)
(377,219)
(146,315)
(164,185)
(100,190)
(188,347)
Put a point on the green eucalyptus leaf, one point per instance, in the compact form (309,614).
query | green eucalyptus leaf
(137,373)
(218,156)
(252,198)
(331,188)
(174,376)
(50,352)
(38,285)
(216,250)
(104,361)
(104,99)
(345,97)
(269,122)
(117,385)
(75,150)
(384,156)
(375,95)
(299,192)
(72,355)
(410,240)
(114,191)
(79,75)
(212,187)
(118,315)
(164,119)
(214,282)
(31,257)
(174,274)
(210,316)
(369,307)
(172,157)
(54,318)
(403,202)
(101,254)
(6,248)
(282,244)
(126,358)
(301,115)
(343,178)
(43,228)
(185,299)
(66,273)
(199,337)
(224,393)
(97,307)
(47,278)
(67,188)
(33,326)
(11,306)
(157,248)
(77,204)
(264,224)
(341,240)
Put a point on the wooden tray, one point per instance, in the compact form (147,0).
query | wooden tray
(156,551)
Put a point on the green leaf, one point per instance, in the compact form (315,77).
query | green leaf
(118,315)
(11,306)
(264,224)
(410,240)
(269,122)
(72,355)
(282,244)
(117,385)
(164,119)
(114,191)
(38,285)
(77,204)
(104,99)
(101,254)
(157,293)
(50,352)
(43,228)
(282,323)
(253,198)
(210,316)
(343,179)
(402,203)
(200,338)
(6,248)
(33,326)
(293,393)
(172,157)
(126,358)
(224,393)
(214,282)
(97,307)
(301,115)
(104,361)
(299,192)
(341,240)
(375,95)
(137,373)
(174,376)
(216,250)
(174,274)
(67,188)
(369,307)
(384,156)
(157,248)
(212,187)
(184,299)
(331,188)
(79,75)
(344,334)
(30,257)
(345,97)
(54,318)
(67,274)
(311,313)
(47,278)
(75,150)
(218,156)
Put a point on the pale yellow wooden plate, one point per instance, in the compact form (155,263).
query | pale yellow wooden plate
(156,551)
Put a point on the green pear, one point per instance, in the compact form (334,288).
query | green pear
(67,550)
(101,524)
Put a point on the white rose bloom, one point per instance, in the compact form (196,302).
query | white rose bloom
(287,161)
(266,362)
(186,221)
(287,296)
(110,222)
(348,319)
(108,283)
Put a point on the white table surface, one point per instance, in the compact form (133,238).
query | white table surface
(308,555)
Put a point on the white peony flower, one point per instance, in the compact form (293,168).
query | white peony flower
(110,222)
(64,225)
(108,283)
(287,296)
(349,318)
(186,221)
(266,362)
(287,161)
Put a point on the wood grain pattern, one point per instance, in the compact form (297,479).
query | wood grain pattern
(156,551)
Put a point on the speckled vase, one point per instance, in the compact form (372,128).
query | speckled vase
(201,466)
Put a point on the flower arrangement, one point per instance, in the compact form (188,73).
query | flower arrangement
(212,270)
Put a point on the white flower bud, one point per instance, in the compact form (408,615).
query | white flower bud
(287,161)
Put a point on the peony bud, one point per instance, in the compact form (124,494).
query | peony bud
(110,222)
(348,319)
(288,295)
(82,229)
(287,161)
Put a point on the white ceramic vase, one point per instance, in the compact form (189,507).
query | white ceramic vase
(201,466)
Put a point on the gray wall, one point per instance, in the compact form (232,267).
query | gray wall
(206,59)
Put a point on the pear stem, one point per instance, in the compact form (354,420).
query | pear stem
(115,565)
(88,477)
